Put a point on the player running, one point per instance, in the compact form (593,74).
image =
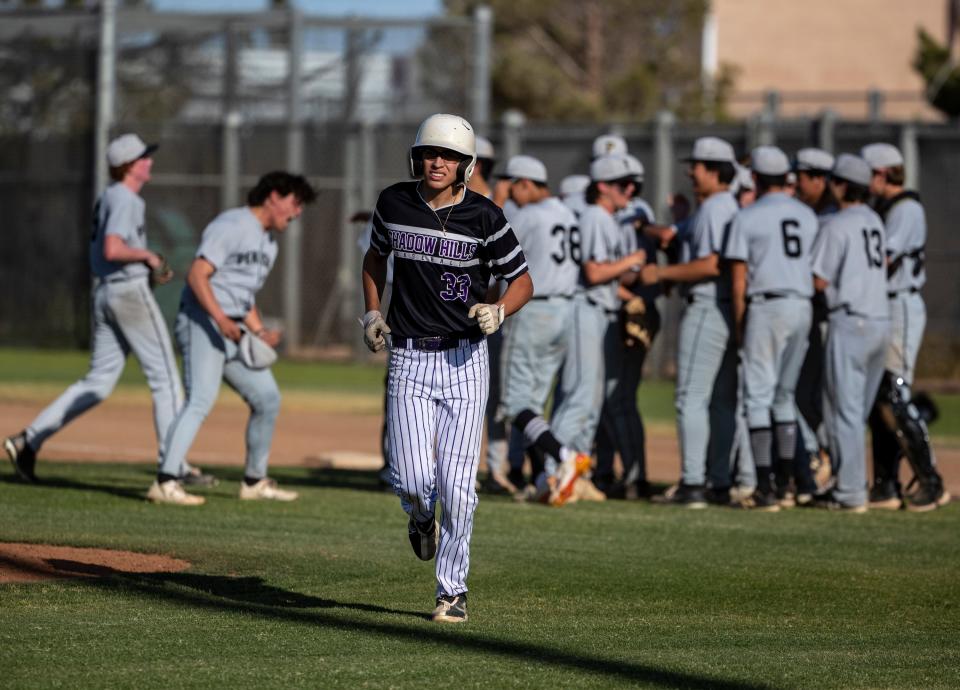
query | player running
(446,241)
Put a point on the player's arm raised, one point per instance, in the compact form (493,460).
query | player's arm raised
(198,278)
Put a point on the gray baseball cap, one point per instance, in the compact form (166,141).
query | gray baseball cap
(769,160)
(610,168)
(742,180)
(526,168)
(712,149)
(608,145)
(813,159)
(852,168)
(127,148)
(484,148)
(636,167)
(881,155)
(574,184)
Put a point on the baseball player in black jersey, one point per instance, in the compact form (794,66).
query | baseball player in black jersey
(447,241)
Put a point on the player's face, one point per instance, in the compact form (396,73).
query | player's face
(704,181)
(439,167)
(283,210)
(522,192)
(810,187)
(141,168)
(620,193)
(878,182)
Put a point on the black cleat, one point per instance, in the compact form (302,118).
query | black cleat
(827,501)
(686,495)
(718,495)
(23,457)
(423,539)
(885,495)
(197,477)
(930,496)
(451,608)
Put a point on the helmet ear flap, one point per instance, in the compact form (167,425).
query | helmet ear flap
(462,169)
(416,164)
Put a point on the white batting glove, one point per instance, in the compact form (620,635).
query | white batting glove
(374,328)
(489,316)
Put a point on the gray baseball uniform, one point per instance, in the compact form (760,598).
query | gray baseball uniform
(126,319)
(774,237)
(595,308)
(906,237)
(242,254)
(706,394)
(850,254)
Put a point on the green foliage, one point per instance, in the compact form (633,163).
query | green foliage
(587,60)
(932,62)
(324,592)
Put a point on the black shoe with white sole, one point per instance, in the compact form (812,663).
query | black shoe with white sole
(423,538)
(23,457)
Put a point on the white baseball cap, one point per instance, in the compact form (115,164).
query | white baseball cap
(608,145)
(742,180)
(636,167)
(574,184)
(610,168)
(484,148)
(852,168)
(769,160)
(127,148)
(881,155)
(526,168)
(713,150)
(814,159)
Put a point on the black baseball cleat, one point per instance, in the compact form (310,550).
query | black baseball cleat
(423,539)
(691,496)
(885,495)
(718,495)
(23,457)
(451,608)
(197,477)
(930,496)
(827,501)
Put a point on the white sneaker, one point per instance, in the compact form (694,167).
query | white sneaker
(171,492)
(265,489)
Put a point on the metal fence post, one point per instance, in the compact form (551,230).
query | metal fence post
(513,123)
(480,91)
(826,130)
(293,237)
(106,91)
(663,156)
(230,160)
(875,100)
(911,156)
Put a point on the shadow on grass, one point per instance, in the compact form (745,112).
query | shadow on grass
(46,482)
(251,596)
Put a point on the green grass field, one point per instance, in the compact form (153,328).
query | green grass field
(326,592)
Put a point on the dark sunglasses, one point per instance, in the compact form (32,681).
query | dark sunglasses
(429,154)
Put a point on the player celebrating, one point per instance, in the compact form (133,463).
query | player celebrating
(769,246)
(446,240)
(706,395)
(536,342)
(849,266)
(237,251)
(126,317)
(906,238)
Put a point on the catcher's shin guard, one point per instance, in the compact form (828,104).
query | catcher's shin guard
(902,418)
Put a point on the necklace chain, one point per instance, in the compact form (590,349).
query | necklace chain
(443,223)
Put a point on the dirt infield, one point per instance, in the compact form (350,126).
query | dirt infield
(40,562)
(121,430)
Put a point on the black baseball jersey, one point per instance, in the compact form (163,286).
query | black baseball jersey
(443,259)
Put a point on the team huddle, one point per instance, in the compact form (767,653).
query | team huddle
(802,322)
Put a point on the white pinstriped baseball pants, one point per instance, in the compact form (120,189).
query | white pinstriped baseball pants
(435,412)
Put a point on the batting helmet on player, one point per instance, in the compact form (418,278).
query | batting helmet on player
(448,132)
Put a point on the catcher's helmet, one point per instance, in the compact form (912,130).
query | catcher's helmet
(448,132)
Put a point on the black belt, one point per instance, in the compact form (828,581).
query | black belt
(119,279)
(546,297)
(693,298)
(911,291)
(767,296)
(434,343)
(593,303)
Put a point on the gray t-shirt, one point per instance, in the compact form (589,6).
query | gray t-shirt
(906,239)
(706,235)
(602,241)
(850,255)
(550,237)
(775,238)
(118,211)
(242,252)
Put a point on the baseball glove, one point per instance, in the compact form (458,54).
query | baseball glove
(162,274)
(633,321)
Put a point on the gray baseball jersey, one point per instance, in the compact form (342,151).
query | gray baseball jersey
(576,203)
(633,241)
(242,253)
(706,235)
(118,211)
(906,225)
(602,241)
(549,235)
(850,255)
(774,237)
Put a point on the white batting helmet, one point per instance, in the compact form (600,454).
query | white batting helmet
(448,132)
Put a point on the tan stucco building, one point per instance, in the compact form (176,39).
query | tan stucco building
(823,53)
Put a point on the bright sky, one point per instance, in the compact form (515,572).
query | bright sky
(377,8)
